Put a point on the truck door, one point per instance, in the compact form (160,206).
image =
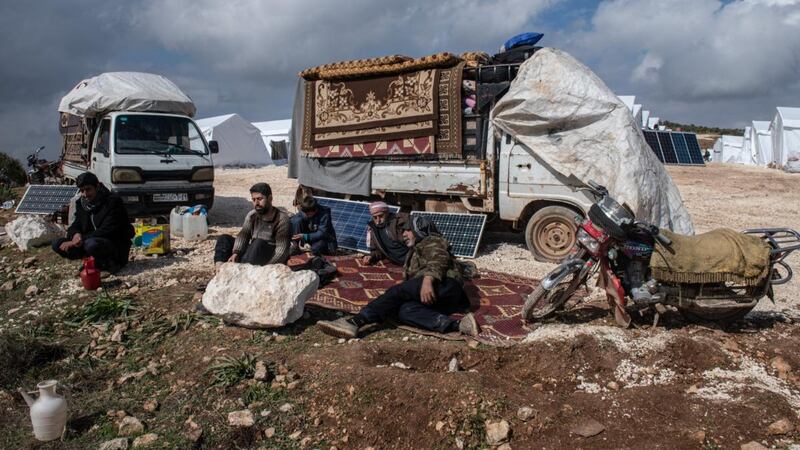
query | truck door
(101,153)
(521,172)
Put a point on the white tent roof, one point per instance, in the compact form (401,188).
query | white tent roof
(645,118)
(652,122)
(789,116)
(597,138)
(274,127)
(785,128)
(628,100)
(239,141)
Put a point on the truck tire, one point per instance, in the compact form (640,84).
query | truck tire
(551,233)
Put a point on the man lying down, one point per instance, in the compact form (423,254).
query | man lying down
(433,289)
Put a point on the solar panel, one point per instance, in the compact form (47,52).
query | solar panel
(667,149)
(681,150)
(694,148)
(350,222)
(651,137)
(463,231)
(45,198)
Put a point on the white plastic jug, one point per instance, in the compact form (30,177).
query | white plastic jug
(195,227)
(176,221)
(48,412)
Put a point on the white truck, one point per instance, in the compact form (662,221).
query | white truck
(135,132)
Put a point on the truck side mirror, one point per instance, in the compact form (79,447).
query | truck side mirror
(213,146)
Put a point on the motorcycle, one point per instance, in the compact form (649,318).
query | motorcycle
(612,243)
(41,171)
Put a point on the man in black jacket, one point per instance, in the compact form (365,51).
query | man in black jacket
(101,228)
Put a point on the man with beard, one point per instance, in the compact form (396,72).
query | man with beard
(264,238)
(101,228)
(432,290)
(385,235)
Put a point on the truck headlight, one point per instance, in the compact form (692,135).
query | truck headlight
(588,241)
(123,175)
(203,174)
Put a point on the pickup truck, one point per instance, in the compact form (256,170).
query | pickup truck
(135,132)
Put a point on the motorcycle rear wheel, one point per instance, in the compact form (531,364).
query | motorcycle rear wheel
(541,304)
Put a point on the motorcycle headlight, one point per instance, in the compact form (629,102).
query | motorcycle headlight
(588,241)
(203,174)
(121,175)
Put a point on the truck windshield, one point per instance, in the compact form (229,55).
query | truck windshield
(157,135)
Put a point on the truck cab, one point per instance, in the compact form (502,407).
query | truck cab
(153,161)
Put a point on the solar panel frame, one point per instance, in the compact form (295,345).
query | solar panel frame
(349,219)
(666,148)
(681,149)
(461,244)
(45,198)
(694,149)
(651,137)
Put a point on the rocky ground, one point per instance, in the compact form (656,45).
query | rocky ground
(141,369)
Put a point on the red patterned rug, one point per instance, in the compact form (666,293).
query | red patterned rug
(496,298)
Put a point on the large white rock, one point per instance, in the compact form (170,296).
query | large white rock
(259,296)
(32,231)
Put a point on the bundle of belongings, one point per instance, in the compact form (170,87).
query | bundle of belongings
(718,256)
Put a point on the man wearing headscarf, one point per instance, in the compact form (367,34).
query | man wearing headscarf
(385,235)
(264,237)
(432,290)
(101,227)
(312,225)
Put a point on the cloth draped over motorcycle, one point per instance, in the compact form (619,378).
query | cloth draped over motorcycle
(722,255)
(573,124)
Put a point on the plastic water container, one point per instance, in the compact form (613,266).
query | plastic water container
(176,220)
(195,227)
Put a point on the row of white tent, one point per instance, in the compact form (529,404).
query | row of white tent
(774,144)
(242,143)
(640,115)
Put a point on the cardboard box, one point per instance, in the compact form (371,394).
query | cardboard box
(154,238)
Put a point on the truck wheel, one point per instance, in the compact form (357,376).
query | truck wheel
(551,233)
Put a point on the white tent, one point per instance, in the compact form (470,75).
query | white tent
(652,123)
(274,130)
(728,149)
(761,142)
(645,118)
(637,113)
(747,151)
(785,129)
(239,141)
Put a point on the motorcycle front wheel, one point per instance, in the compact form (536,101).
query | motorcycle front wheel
(541,303)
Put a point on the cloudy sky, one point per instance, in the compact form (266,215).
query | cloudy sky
(710,62)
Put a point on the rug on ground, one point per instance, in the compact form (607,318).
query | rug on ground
(496,298)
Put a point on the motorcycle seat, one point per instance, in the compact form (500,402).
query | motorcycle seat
(721,255)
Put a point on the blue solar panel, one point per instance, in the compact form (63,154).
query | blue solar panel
(681,150)
(694,148)
(45,198)
(462,231)
(350,222)
(652,140)
(667,149)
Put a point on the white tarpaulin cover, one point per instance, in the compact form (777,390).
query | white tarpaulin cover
(785,130)
(561,110)
(761,142)
(729,149)
(239,141)
(126,91)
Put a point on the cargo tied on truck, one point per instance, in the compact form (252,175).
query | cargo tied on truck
(136,133)
(514,136)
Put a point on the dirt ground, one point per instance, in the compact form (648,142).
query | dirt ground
(677,385)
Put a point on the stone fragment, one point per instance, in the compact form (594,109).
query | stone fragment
(145,440)
(752,445)
(243,418)
(505,446)
(782,426)
(525,413)
(269,432)
(286,407)
(261,372)
(150,405)
(8,286)
(613,385)
(30,231)
(115,444)
(497,432)
(192,430)
(119,330)
(130,426)
(454,365)
(259,296)
(781,366)
(588,428)
(31,291)
(698,436)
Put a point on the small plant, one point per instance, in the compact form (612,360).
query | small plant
(172,325)
(230,370)
(104,307)
(259,392)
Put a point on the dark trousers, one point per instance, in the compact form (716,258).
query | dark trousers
(324,246)
(403,302)
(258,252)
(107,253)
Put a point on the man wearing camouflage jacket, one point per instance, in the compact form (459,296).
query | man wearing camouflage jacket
(433,289)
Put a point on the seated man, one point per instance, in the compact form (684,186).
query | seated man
(264,237)
(431,291)
(312,225)
(101,228)
(385,235)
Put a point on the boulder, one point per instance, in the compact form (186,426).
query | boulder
(115,444)
(259,296)
(32,231)
(145,440)
(497,432)
(130,426)
(243,418)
